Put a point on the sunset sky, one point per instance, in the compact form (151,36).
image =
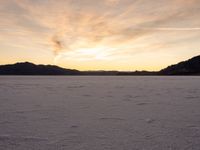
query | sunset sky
(100,34)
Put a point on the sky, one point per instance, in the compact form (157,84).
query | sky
(123,35)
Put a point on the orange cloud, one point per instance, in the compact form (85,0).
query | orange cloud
(115,27)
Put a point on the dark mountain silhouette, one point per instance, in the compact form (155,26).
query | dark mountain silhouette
(32,69)
(189,67)
(27,68)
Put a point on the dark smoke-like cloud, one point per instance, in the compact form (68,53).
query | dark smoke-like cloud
(57,45)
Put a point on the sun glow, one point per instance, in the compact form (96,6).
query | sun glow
(107,34)
(86,54)
(95,53)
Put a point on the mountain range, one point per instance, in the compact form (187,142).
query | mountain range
(189,67)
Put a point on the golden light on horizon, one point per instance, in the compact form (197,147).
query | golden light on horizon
(99,35)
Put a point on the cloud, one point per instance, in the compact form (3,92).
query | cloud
(88,24)
(57,45)
(173,29)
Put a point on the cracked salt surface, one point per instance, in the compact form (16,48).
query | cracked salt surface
(99,113)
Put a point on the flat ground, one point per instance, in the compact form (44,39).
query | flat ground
(99,113)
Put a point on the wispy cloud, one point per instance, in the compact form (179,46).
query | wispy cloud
(57,44)
(120,26)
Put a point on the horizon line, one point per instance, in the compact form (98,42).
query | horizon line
(100,70)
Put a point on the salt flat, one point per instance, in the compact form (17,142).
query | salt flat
(99,113)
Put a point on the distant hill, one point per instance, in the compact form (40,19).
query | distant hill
(189,67)
(32,69)
(26,68)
